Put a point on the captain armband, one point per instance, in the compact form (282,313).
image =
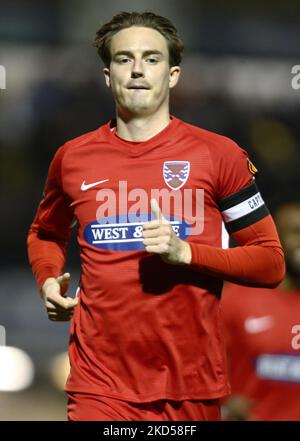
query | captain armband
(242,209)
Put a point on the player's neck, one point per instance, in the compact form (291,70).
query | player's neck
(138,129)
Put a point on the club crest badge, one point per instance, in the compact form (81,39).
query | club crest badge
(176,173)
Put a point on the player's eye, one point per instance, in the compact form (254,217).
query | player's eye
(152,60)
(123,60)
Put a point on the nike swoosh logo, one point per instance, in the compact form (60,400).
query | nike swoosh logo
(254,325)
(85,186)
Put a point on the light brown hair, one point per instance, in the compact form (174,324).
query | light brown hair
(125,20)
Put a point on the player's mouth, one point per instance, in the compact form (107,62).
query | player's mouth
(138,87)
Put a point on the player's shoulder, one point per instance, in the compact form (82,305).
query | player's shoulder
(81,140)
(71,145)
(215,142)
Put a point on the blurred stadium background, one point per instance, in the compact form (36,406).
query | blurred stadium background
(236,81)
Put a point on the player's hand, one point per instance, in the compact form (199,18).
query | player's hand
(59,306)
(160,238)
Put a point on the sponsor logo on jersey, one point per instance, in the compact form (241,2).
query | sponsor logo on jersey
(279,367)
(124,232)
(85,187)
(176,173)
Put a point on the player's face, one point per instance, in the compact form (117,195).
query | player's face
(288,221)
(139,74)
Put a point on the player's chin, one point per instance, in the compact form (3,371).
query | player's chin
(138,106)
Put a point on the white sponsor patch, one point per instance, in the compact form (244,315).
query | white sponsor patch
(243,208)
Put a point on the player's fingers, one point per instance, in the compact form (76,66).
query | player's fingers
(55,304)
(60,319)
(51,309)
(60,316)
(72,302)
(161,240)
(58,310)
(151,241)
(163,230)
(64,278)
(157,249)
(156,211)
(151,225)
(150,233)
(57,314)
(62,302)
(64,281)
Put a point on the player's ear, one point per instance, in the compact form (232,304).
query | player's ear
(174,76)
(106,72)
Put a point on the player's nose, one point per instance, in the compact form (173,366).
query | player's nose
(137,69)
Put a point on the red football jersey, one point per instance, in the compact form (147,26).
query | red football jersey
(262,328)
(145,330)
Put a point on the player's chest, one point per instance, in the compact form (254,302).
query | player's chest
(111,195)
(178,176)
